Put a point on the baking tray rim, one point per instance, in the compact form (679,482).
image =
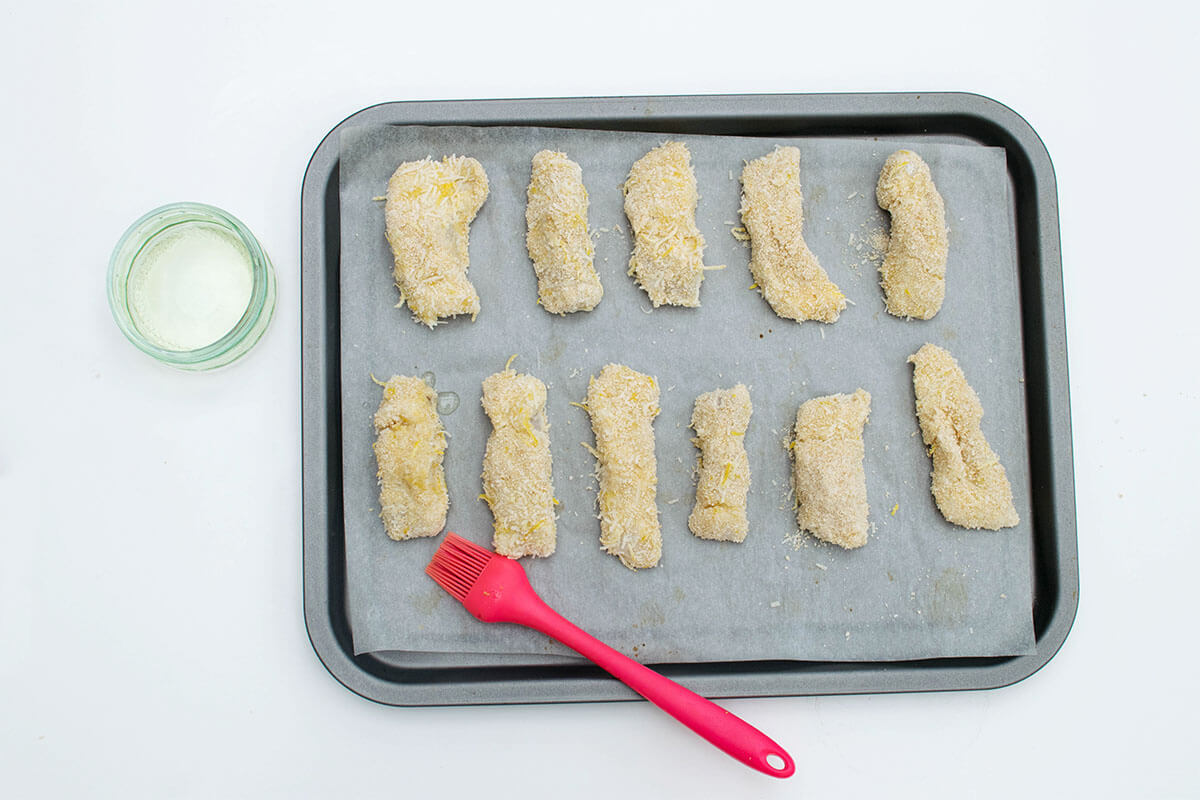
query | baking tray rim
(966,114)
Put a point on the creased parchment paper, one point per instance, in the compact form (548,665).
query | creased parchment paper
(920,588)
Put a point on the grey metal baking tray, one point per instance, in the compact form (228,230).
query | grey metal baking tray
(415,679)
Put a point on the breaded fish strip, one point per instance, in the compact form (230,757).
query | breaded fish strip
(409,445)
(787,273)
(668,249)
(827,455)
(622,404)
(557,237)
(516,465)
(430,206)
(969,483)
(914,269)
(720,419)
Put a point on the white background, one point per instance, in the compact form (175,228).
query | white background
(151,633)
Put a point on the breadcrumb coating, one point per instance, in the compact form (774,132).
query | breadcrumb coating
(668,248)
(827,456)
(429,209)
(517,467)
(969,483)
(622,404)
(914,269)
(409,445)
(556,218)
(720,420)
(786,272)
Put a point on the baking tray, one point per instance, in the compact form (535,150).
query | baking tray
(414,679)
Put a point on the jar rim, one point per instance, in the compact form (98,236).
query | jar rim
(239,339)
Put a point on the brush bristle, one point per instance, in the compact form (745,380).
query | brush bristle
(457,564)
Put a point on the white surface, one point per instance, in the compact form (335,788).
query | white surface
(151,635)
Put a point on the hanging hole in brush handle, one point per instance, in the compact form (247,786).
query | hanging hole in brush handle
(780,763)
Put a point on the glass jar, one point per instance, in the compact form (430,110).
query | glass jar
(190,285)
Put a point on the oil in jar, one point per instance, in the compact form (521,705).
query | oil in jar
(189,286)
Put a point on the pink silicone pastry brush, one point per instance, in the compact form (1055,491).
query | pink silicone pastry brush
(495,589)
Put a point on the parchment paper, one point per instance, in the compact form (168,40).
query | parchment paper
(920,588)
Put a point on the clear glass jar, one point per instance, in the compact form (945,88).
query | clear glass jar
(190,285)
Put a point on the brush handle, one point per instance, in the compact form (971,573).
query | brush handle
(730,733)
